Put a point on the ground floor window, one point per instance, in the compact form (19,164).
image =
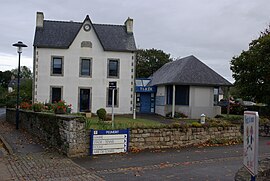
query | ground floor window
(110,95)
(56,94)
(84,100)
(181,95)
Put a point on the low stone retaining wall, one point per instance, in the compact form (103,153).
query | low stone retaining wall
(179,137)
(65,132)
(264,130)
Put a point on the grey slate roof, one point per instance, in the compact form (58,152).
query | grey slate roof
(60,34)
(187,71)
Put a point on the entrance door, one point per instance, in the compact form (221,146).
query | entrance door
(84,100)
(145,101)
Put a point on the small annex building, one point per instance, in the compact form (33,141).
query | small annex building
(185,85)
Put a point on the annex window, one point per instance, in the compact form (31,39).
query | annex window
(216,96)
(85,67)
(181,95)
(113,68)
(110,95)
(56,94)
(57,66)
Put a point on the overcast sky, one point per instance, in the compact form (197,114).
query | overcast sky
(212,30)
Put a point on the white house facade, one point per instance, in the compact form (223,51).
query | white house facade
(76,61)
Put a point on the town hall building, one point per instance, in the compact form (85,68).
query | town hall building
(76,62)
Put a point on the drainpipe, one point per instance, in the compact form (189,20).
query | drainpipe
(228,107)
(134,85)
(173,101)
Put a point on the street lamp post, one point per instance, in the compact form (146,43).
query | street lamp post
(19,46)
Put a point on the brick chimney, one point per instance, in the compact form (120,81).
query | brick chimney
(39,20)
(129,25)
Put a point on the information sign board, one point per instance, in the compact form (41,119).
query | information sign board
(251,139)
(112,85)
(108,141)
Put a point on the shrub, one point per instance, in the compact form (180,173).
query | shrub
(61,107)
(196,124)
(219,116)
(25,105)
(176,115)
(102,114)
(38,107)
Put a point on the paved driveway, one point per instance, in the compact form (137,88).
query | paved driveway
(209,163)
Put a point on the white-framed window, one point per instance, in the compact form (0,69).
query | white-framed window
(57,64)
(110,95)
(85,67)
(56,93)
(113,68)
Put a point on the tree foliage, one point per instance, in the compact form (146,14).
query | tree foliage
(5,78)
(25,72)
(150,60)
(251,69)
(9,99)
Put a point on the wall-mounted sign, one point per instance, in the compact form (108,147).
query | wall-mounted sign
(108,141)
(112,85)
(251,139)
(152,89)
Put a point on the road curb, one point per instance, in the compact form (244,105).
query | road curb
(6,145)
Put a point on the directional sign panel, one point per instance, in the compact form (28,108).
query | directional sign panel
(251,139)
(108,141)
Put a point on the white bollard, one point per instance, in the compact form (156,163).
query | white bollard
(202,121)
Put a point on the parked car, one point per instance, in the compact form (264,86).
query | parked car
(248,103)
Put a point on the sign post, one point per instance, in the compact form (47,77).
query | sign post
(251,140)
(112,86)
(112,108)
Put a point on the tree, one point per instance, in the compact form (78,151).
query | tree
(150,60)
(25,72)
(5,78)
(251,69)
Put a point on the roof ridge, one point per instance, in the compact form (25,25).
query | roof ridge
(63,21)
(107,24)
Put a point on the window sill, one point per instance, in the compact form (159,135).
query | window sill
(57,75)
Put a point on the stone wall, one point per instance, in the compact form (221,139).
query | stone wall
(264,130)
(180,137)
(65,132)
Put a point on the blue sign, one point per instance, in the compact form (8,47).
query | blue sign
(108,141)
(150,89)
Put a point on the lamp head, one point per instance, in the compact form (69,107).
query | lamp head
(19,45)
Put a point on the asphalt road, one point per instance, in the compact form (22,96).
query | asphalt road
(208,163)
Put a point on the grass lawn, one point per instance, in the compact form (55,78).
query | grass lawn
(121,122)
